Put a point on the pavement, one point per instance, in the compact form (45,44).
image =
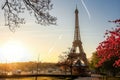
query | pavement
(87,78)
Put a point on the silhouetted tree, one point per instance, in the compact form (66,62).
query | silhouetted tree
(68,60)
(39,8)
(63,61)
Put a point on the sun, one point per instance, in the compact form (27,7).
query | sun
(14,51)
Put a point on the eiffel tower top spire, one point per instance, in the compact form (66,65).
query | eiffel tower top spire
(76,10)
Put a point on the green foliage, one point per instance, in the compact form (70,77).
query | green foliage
(109,68)
(94,61)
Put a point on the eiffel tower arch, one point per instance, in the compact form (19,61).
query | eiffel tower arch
(78,58)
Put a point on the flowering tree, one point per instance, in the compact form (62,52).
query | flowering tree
(13,10)
(108,51)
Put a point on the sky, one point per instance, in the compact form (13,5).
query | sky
(48,42)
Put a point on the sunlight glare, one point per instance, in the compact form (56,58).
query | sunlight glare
(14,51)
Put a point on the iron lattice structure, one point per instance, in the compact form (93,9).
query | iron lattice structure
(77,44)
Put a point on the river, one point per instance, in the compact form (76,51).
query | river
(56,78)
(38,78)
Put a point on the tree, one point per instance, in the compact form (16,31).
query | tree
(70,62)
(108,51)
(94,61)
(63,62)
(39,8)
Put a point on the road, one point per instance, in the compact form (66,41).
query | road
(93,77)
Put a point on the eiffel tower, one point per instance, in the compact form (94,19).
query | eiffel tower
(79,56)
